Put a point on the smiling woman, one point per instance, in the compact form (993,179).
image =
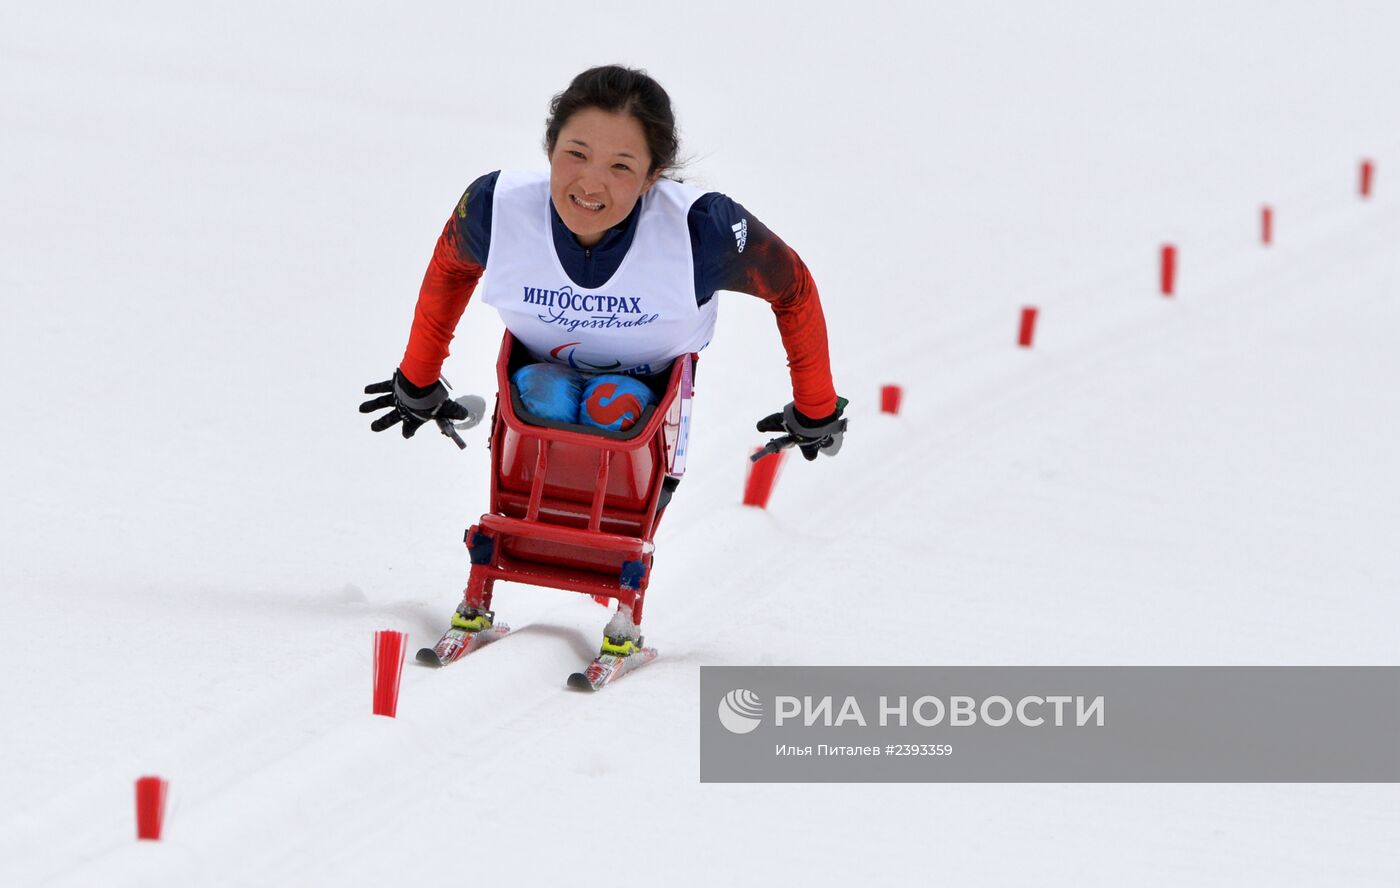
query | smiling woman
(606,271)
(598,171)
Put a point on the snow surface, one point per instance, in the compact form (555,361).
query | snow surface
(218,215)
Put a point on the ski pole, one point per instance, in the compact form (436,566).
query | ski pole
(774,446)
(475,407)
(446,425)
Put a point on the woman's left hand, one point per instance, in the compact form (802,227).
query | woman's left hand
(811,436)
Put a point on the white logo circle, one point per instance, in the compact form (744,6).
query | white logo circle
(740,711)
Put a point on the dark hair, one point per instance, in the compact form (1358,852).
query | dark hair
(621,91)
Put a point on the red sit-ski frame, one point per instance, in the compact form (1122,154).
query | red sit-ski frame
(574,509)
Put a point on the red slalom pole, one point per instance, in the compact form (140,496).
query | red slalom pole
(1027,334)
(762,476)
(1168,269)
(1266,225)
(389,650)
(1368,173)
(150,807)
(890,396)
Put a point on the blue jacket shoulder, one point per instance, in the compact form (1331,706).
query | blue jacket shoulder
(718,235)
(473,217)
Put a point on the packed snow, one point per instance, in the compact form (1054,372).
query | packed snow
(218,217)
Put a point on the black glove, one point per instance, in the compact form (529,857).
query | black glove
(811,436)
(410,404)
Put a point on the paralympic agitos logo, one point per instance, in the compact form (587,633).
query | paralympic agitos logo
(588,311)
(558,355)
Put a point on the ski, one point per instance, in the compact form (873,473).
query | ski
(457,643)
(608,668)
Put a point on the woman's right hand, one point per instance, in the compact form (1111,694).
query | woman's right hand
(410,404)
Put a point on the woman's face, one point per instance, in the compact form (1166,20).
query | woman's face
(598,171)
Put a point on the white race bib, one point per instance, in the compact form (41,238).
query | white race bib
(637,322)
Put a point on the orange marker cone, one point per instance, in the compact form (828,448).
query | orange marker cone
(389,650)
(150,807)
(1027,335)
(890,396)
(1168,269)
(762,476)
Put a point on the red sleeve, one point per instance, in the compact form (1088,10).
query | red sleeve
(447,287)
(776,274)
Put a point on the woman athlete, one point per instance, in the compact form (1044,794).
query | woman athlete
(606,271)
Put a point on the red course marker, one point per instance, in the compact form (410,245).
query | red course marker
(1027,334)
(150,807)
(389,649)
(1266,225)
(1168,269)
(762,476)
(1368,173)
(889,398)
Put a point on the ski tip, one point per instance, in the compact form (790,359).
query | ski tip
(428,657)
(579,682)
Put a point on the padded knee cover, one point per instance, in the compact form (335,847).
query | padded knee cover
(614,402)
(550,391)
